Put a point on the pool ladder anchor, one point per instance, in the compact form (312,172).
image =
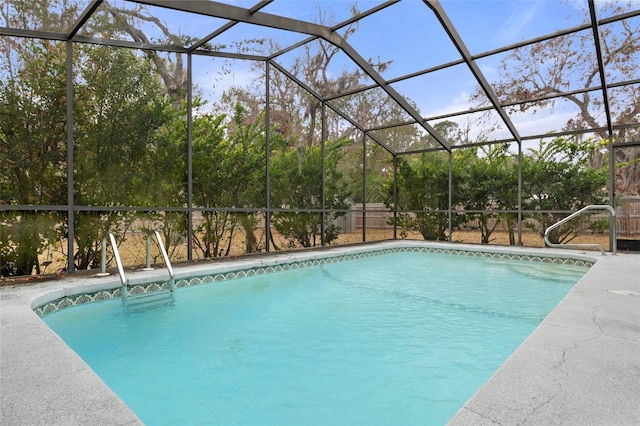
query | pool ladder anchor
(613,234)
(147,297)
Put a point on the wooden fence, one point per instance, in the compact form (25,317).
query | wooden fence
(378,217)
(628,213)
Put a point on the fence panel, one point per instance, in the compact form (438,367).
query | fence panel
(628,213)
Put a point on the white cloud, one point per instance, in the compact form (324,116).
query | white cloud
(515,25)
(542,122)
(527,123)
(434,106)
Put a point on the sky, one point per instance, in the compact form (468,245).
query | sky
(406,33)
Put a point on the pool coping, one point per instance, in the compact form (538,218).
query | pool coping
(42,381)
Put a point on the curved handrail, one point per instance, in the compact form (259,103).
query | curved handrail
(116,255)
(610,209)
(167,262)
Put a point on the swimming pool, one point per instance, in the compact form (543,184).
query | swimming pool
(268,353)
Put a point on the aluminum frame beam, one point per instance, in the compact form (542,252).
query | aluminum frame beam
(513,103)
(239,14)
(234,13)
(335,27)
(227,26)
(371,72)
(45,35)
(601,70)
(364,14)
(448,26)
(499,50)
(329,105)
(83,18)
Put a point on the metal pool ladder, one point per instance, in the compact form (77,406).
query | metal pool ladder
(613,234)
(146,297)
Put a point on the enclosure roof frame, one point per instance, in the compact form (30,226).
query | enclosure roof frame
(255,16)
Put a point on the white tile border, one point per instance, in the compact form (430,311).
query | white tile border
(211,273)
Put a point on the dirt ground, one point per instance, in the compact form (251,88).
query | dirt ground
(529,239)
(133,250)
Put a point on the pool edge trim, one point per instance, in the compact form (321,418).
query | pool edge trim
(44,305)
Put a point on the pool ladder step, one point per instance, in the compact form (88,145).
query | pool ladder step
(139,299)
(152,299)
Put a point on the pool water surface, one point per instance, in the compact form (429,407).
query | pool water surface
(401,338)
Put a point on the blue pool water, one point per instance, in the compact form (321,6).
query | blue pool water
(403,338)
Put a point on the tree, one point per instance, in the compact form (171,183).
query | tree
(490,185)
(166,168)
(379,165)
(295,115)
(119,108)
(228,172)
(208,183)
(423,185)
(295,111)
(248,162)
(556,177)
(117,22)
(32,149)
(568,62)
(297,184)
(119,104)
(423,194)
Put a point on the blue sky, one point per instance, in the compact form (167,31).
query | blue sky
(408,34)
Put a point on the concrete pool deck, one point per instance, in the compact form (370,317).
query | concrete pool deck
(581,366)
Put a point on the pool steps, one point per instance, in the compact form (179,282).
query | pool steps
(139,299)
(150,300)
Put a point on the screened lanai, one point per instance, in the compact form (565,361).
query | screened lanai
(246,127)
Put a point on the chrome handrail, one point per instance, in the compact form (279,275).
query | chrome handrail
(613,234)
(167,262)
(116,254)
